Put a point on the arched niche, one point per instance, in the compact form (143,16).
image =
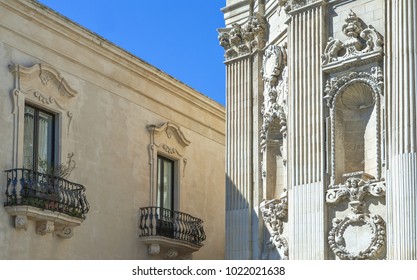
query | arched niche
(274,160)
(355,107)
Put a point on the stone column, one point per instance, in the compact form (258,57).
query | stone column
(305,133)
(243,46)
(401,130)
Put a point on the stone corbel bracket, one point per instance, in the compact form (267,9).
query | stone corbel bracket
(355,189)
(47,221)
(340,55)
(275,213)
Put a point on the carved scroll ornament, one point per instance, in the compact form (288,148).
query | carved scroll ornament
(339,55)
(275,213)
(241,40)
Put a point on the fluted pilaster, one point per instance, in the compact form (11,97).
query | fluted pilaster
(305,134)
(238,159)
(401,129)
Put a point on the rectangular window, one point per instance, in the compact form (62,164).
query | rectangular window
(165,183)
(39,139)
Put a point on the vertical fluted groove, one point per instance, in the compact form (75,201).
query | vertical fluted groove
(306,205)
(238,187)
(401,108)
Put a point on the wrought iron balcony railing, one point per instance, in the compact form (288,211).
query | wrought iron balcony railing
(158,221)
(45,191)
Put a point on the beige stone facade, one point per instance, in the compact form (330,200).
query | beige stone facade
(114,117)
(321,123)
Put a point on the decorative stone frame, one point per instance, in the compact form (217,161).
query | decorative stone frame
(43,86)
(364,88)
(334,89)
(167,140)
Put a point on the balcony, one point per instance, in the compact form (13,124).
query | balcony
(54,203)
(177,234)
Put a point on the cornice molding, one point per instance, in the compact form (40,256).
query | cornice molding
(55,22)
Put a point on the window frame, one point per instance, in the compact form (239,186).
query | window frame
(54,137)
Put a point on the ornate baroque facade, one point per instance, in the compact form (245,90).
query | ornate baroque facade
(321,119)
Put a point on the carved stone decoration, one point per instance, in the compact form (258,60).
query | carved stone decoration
(340,55)
(153,249)
(275,78)
(166,139)
(275,213)
(21,222)
(373,226)
(241,40)
(355,189)
(41,85)
(357,90)
(45,227)
(290,5)
(171,254)
(343,236)
(65,232)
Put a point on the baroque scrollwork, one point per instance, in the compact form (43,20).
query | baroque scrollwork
(275,78)
(355,189)
(373,224)
(290,5)
(241,40)
(275,213)
(361,46)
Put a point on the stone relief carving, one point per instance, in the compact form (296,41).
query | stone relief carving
(290,5)
(359,235)
(361,47)
(372,225)
(343,234)
(274,109)
(275,213)
(241,40)
(275,77)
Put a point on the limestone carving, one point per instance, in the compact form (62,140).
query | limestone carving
(275,77)
(241,40)
(353,50)
(65,232)
(374,225)
(275,213)
(357,90)
(45,227)
(290,5)
(367,225)
(21,222)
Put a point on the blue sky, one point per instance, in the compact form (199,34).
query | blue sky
(179,37)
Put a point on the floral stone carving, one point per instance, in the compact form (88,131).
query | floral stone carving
(274,213)
(241,40)
(360,235)
(339,55)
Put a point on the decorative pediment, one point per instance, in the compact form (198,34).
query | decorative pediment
(363,46)
(44,83)
(169,138)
